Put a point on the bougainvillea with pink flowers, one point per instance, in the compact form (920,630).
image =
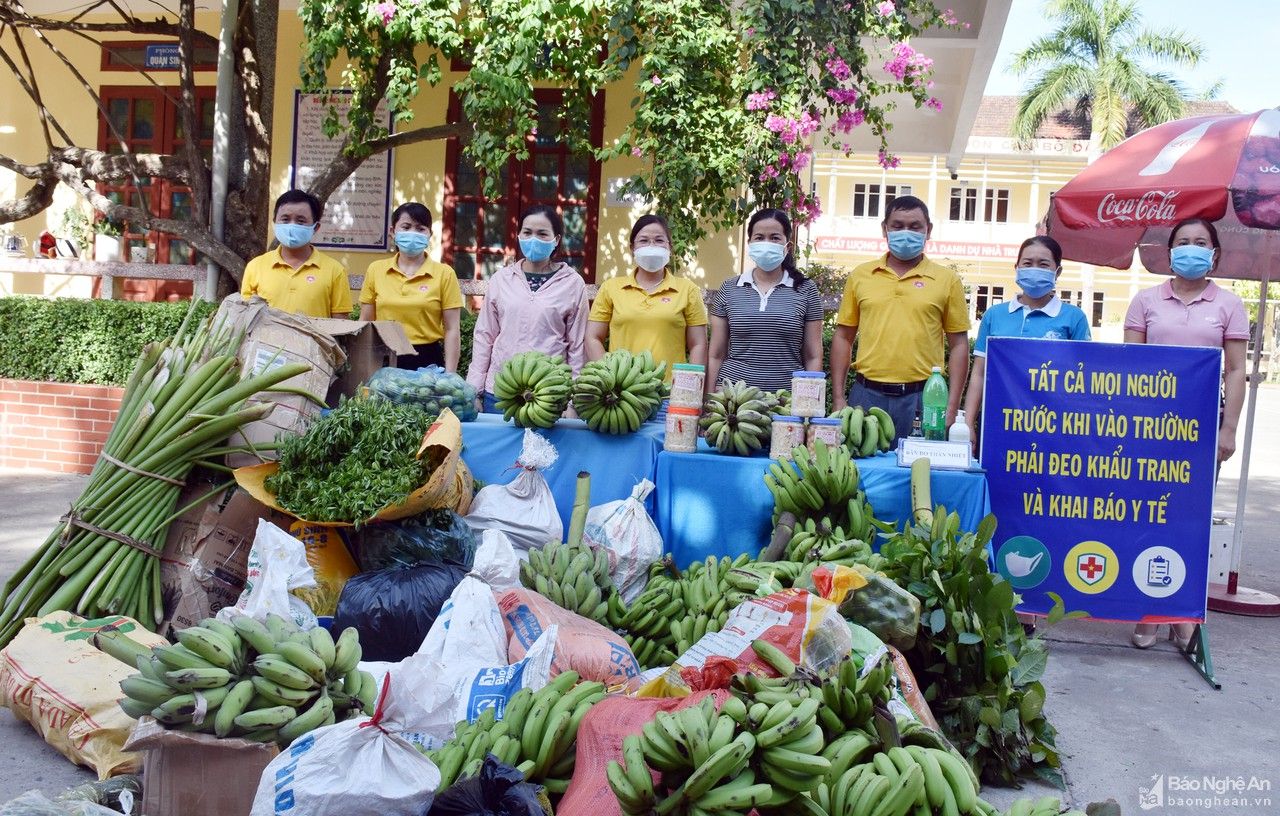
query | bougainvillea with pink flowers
(730,100)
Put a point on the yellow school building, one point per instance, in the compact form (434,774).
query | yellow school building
(473,233)
(982,209)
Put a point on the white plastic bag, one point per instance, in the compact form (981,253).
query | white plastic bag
(358,767)
(496,562)
(277,564)
(461,668)
(524,509)
(624,529)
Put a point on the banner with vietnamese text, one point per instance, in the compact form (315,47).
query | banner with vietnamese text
(1101,459)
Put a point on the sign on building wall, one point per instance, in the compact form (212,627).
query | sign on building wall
(356,215)
(935,249)
(1100,460)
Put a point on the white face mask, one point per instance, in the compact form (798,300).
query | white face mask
(651,258)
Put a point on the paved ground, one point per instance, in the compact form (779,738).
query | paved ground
(1123,716)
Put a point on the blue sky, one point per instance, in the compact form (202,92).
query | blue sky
(1240,37)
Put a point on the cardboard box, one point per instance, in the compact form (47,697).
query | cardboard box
(274,338)
(368,344)
(343,354)
(205,556)
(185,774)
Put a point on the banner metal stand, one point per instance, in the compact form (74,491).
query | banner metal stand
(1197,654)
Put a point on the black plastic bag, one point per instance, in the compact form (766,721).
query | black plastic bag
(393,609)
(434,537)
(498,790)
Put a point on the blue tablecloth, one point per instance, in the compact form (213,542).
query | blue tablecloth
(616,463)
(711,504)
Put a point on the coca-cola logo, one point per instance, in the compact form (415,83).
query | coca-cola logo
(1153,205)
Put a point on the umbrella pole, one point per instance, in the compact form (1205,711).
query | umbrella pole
(1234,599)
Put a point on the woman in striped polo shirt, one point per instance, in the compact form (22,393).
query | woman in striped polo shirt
(766,322)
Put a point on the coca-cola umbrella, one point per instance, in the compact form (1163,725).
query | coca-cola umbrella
(1225,169)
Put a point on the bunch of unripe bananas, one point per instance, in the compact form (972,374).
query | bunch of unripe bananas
(736,419)
(536,735)
(823,484)
(619,392)
(533,388)
(262,681)
(866,431)
(801,743)
(573,576)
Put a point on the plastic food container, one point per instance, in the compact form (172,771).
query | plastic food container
(687,381)
(828,430)
(785,435)
(682,430)
(809,393)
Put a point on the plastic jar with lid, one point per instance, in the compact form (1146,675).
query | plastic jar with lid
(809,393)
(826,429)
(687,381)
(786,433)
(682,429)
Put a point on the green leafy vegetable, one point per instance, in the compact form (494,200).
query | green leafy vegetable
(980,671)
(352,462)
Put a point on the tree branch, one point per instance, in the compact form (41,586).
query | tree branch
(33,92)
(200,192)
(197,235)
(16,16)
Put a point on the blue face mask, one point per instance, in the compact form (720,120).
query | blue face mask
(1035,282)
(536,249)
(1190,261)
(295,236)
(766,255)
(412,243)
(906,245)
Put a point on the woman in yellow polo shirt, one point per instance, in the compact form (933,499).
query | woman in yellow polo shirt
(651,309)
(422,294)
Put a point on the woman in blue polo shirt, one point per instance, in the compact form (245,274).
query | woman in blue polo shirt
(1037,312)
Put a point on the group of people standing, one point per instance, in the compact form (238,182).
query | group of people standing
(905,313)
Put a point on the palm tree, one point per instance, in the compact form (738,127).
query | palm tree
(1093,61)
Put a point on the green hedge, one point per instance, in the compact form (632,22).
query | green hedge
(81,341)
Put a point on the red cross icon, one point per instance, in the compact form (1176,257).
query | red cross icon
(1091,567)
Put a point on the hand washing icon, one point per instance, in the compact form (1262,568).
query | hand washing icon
(1020,566)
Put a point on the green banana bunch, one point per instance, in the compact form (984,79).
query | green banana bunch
(704,757)
(619,392)
(782,402)
(266,681)
(737,420)
(575,577)
(536,734)
(533,389)
(898,781)
(817,485)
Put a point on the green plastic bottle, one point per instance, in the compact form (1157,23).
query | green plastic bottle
(934,406)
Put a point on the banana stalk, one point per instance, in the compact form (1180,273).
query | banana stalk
(581,502)
(183,400)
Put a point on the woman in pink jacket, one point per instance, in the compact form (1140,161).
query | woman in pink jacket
(535,303)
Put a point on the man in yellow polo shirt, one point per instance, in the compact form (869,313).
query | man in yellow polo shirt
(421,293)
(295,276)
(901,308)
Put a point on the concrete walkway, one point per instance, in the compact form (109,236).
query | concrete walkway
(1123,716)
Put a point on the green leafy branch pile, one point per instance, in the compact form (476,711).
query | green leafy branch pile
(980,671)
(352,462)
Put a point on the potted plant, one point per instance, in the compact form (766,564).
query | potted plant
(107,239)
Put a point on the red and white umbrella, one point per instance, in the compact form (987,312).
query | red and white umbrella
(1225,169)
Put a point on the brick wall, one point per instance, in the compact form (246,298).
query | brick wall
(55,426)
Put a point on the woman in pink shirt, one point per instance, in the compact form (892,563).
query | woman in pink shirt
(534,303)
(1191,310)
